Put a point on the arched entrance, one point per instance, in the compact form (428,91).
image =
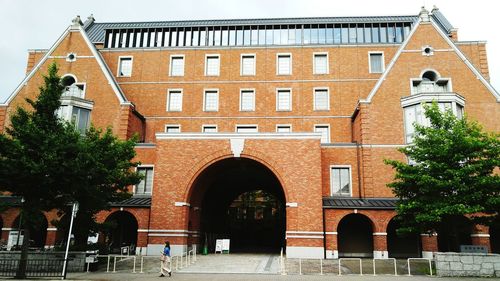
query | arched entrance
(38,229)
(355,236)
(495,237)
(453,232)
(241,200)
(121,231)
(404,245)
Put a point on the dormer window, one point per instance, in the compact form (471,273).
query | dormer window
(430,82)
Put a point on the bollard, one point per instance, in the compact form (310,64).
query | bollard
(142,264)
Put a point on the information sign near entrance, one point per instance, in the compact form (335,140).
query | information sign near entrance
(222,246)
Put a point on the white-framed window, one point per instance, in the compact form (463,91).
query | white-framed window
(145,187)
(284,64)
(81,118)
(174,100)
(414,114)
(248,64)
(321,99)
(247,129)
(320,63)
(209,128)
(376,62)
(247,100)
(124,67)
(325,132)
(212,65)
(172,128)
(430,82)
(211,100)
(283,128)
(340,180)
(283,100)
(177,65)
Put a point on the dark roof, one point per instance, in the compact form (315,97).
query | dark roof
(13,201)
(134,202)
(359,203)
(96,30)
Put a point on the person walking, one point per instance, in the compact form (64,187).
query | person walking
(166,261)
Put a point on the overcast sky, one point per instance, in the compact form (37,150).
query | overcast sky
(34,24)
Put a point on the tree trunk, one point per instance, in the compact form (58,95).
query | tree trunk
(23,262)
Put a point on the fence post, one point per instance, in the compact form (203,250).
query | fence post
(142,263)
(300,266)
(114,265)
(133,270)
(321,266)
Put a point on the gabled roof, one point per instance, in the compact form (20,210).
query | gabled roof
(96,31)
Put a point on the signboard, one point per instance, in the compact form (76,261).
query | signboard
(222,246)
(13,239)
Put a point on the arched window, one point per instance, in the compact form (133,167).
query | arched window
(430,82)
(74,107)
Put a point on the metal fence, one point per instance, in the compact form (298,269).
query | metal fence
(34,267)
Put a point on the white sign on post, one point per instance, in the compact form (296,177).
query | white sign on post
(218,246)
(225,246)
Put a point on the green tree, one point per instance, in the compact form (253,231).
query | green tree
(453,174)
(49,164)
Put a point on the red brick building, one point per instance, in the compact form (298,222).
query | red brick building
(270,132)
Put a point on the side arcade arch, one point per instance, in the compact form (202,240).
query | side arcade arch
(402,245)
(120,231)
(355,236)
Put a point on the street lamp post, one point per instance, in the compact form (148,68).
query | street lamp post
(73,215)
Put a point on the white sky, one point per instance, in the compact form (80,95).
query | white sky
(34,24)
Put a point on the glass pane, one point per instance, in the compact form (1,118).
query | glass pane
(322,36)
(203,37)
(345,34)
(399,34)
(337,35)
(149,181)
(225,37)
(291,35)
(335,181)
(239,37)
(246,37)
(307,35)
(360,33)
(276,36)
(173,39)
(329,35)
(269,36)
(298,36)
(345,182)
(352,34)
(210,37)
(391,36)
(383,34)
(255,37)
(217,37)
(314,35)
(262,36)
(375,34)
(196,38)
(232,37)
(368,34)
(181,38)
(284,36)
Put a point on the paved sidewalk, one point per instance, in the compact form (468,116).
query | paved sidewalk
(263,277)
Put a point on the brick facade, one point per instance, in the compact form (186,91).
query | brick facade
(365,119)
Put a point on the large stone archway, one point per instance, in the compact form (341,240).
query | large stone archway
(242,200)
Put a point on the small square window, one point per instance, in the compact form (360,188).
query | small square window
(325,132)
(209,129)
(283,128)
(177,66)
(248,65)
(321,99)
(246,129)
(211,100)
(125,67)
(212,65)
(340,181)
(172,129)
(284,100)
(284,64)
(247,100)
(376,62)
(320,63)
(174,100)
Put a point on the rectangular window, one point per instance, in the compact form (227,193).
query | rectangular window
(125,67)
(320,64)
(247,100)
(211,100)
(172,128)
(247,64)
(284,64)
(209,129)
(325,132)
(177,66)
(283,128)
(376,62)
(321,99)
(246,129)
(81,118)
(174,100)
(212,65)
(284,100)
(146,184)
(340,181)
